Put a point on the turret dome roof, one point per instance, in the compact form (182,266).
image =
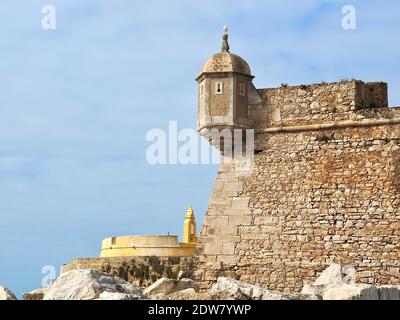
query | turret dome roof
(226,62)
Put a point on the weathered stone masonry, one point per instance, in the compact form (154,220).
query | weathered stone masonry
(324,187)
(141,270)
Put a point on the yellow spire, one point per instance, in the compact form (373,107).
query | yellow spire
(190,213)
(189,227)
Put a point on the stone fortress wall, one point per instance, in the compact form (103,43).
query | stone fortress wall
(324,188)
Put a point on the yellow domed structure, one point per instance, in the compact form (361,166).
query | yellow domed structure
(153,245)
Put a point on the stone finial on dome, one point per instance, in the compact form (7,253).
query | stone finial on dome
(225,61)
(225,44)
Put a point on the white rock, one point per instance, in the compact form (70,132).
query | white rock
(352,292)
(332,277)
(308,289)
(337,274)
(88,285)
(165,286)
(363,292)
(6,294)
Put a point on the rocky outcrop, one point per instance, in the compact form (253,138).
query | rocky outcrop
(164,286)
(6,294)
(337,282)
(89,285)
(231,289)
(224,289)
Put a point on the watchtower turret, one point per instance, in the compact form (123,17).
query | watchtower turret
(223,85)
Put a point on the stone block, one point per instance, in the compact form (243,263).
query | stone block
(238,211)
(233,186)
(240,220)
(217,220)
(228,248)
(240,202)
(213,248)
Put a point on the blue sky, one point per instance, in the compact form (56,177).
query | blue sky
(76,104)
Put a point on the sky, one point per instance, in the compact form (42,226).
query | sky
(77,102)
